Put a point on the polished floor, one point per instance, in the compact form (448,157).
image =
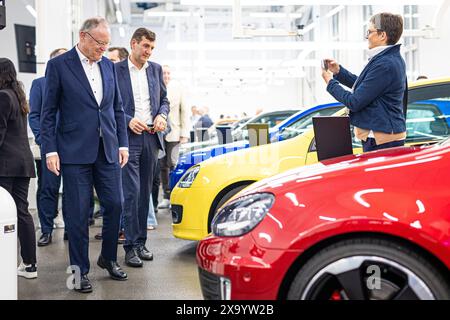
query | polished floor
(171,275)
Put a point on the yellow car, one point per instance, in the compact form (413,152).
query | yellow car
(207,186)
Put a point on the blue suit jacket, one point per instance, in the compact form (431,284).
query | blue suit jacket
(157,88)
(36,99)
(376,102)
(77,134)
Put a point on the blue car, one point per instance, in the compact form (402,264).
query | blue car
(289,128)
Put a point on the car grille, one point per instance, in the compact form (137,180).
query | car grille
(210,284)
(177,213)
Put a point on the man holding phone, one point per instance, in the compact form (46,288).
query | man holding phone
(376,100)
(146,109)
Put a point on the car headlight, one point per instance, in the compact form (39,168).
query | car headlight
(189,177)
(242,215)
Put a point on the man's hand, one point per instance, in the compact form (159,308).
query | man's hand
(53,164)
(333,66)
(184,140)
(327,76)
(123,157)
(159,123)
(137,126)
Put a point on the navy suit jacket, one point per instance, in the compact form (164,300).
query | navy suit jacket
(157,89)
(36,98)
(76,136)
(376,102)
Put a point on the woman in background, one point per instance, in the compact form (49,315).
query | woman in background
(16,161)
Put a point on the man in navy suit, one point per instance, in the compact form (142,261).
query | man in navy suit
(88,144)
(48,183)
(146,108)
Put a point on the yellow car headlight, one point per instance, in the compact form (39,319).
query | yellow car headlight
(187,180)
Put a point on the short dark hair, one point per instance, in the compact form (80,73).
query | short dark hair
(123,53)
(390,23)
(143,32)
(55,52)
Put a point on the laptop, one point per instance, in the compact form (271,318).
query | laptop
(333,137)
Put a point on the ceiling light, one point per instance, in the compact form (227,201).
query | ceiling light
(167,14)
(31,10)
(119,16)
(244,3)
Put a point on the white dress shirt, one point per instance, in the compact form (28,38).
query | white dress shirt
(93,75)
(141,93)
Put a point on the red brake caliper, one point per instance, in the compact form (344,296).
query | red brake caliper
(336,295)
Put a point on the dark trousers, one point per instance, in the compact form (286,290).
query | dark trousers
(137,178)
(18,188)
(47,196)
(78,181)
(167,164)
(371,145)
(155,187)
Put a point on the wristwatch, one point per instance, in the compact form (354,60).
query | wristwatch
(163,116)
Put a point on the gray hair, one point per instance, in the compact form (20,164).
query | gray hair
(93,23)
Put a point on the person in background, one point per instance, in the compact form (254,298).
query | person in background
(178,122)
(146,109)
(48,184)
(376,100)
(17,166)
(117,54)
(89,144)
(205,120)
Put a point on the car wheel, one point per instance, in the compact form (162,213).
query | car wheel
(368,269)
(227,196)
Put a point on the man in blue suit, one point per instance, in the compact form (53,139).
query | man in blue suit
(146,109)
(376,100)
(48,183)
(88,144)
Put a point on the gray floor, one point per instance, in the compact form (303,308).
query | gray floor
(171,275)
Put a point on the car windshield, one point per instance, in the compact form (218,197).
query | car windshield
(305,123)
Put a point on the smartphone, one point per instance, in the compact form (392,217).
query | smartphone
(325,65)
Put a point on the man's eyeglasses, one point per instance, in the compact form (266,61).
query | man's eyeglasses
(100,43)
(368,32)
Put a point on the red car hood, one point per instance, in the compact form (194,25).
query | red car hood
(345,163)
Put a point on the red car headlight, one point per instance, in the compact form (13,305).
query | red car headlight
(242,215)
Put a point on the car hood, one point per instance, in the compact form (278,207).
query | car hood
(339,165)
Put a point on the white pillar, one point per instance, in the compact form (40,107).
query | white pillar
(53,29)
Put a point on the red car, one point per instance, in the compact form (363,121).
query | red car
(373,226)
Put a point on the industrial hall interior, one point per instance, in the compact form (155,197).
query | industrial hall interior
(237,150)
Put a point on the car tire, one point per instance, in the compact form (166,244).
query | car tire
(386,270)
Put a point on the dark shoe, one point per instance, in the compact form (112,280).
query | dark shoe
(98,236)
(45,240)
(66,236)
(84,286)
(113,268)
(122,238)
(132,259)
(144,254)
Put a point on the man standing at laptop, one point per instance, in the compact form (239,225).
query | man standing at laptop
(376,100)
